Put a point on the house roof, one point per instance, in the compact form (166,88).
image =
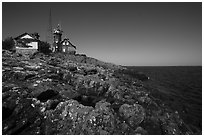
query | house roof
(21,35)
(69,42)
(31,35)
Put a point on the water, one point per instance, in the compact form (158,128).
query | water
(178,87)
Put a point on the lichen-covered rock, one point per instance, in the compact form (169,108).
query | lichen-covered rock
(132,114)
(140,131)
(75,94)
(122,128)
(68,118)
(91,86)
(100,121)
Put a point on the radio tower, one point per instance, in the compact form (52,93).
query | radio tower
(49,37)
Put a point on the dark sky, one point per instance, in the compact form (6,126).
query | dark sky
(122,33)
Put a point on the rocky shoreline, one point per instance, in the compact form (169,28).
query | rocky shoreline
(77,95)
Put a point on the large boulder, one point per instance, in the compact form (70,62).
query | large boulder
(100,121)
(72,118)
(91,86)
(67,119)
(132,114)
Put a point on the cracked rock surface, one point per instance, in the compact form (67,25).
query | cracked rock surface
(61,94)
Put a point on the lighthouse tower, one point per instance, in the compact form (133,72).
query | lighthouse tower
(57,39)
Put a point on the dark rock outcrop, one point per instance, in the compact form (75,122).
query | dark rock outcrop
(76,94)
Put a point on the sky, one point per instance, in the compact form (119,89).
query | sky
(123,33)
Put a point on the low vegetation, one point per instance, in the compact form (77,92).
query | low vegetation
(8,44)
(44,47)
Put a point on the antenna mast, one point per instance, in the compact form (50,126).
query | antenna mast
(49,37)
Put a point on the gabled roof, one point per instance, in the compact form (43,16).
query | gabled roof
(21,35)
(24,34)
(70,44)
(27,40)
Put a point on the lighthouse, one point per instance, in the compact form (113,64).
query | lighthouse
(57,34)
(62,45)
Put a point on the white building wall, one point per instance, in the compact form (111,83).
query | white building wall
(33,44)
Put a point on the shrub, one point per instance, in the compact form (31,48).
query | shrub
(8,44)
(44,47)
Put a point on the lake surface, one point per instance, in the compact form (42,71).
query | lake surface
(180,88)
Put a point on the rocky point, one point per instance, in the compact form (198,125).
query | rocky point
(74,94)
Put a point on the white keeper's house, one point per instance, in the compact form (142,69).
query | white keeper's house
(27,43)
